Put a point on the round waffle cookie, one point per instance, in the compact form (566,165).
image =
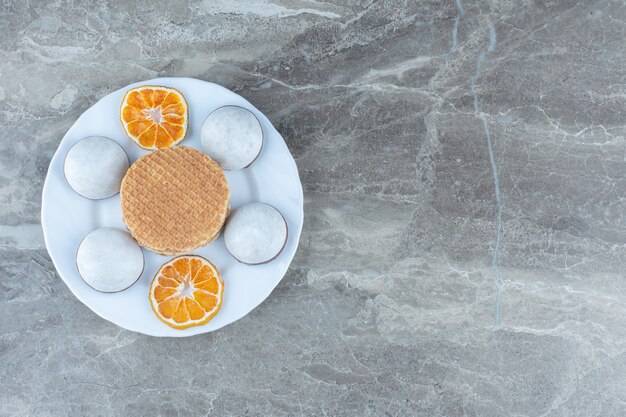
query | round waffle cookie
(174,200)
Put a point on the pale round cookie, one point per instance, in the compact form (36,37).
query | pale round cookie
(255,233)
(95,167)
(232,136)
(109,260)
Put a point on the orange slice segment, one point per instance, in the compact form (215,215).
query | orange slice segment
(154,117)
(187,291)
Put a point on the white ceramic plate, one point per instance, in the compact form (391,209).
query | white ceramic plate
(67,217)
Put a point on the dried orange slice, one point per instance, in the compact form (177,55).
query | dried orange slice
(187,291)
(154,117)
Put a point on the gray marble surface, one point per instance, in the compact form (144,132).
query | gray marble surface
(464,246)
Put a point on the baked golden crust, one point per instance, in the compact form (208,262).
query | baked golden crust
(174,200)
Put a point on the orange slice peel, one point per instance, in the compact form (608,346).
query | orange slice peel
(187,291)
(154,117)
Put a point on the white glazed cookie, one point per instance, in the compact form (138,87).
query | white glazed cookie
(232,136)
(95,166)
(255,233)
(109,260)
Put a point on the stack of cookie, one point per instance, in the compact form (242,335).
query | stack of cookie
(175,200)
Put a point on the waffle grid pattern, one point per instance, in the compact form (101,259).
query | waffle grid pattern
(174,200)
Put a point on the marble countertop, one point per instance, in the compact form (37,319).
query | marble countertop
(464,245)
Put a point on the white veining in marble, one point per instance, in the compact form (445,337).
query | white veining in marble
(450,180)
